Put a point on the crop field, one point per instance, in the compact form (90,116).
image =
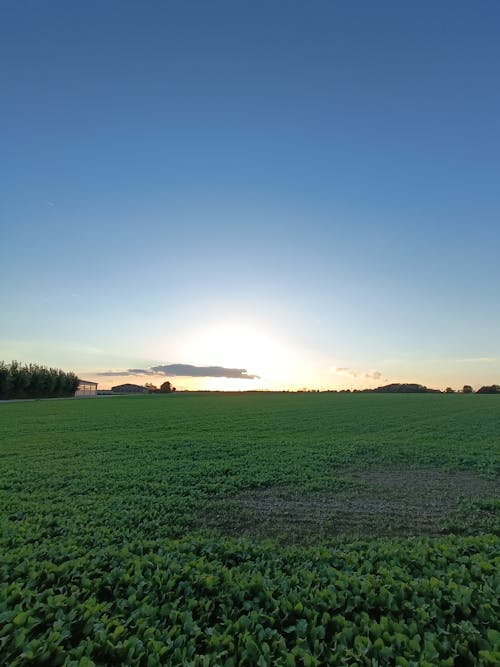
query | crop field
(250,529)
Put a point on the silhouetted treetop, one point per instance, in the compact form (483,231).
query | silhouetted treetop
(491,389)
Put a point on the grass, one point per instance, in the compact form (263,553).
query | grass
(213,530)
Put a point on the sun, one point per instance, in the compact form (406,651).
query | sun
(241,346)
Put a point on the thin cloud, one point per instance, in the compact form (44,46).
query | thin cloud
(186,370)
(479,360)
(354,373)
(373,375)
(347,371)
(129,371)
(112,373)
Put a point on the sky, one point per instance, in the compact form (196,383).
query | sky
(251,195)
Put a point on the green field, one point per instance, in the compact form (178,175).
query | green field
(251,529)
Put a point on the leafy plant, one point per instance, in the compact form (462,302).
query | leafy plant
(107,555)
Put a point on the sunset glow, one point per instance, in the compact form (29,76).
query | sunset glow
(231,344)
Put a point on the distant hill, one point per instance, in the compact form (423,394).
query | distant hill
(404,388)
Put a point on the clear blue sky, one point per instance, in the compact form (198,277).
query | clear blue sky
(289,188)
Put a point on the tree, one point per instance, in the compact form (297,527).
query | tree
(166,388)
(467,389)
(35,381)
(151,388)
(449,390)
(489,389)
(4,378)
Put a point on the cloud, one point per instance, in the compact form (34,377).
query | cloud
(187,370)
(112,373)
(352,372)
(347,371)
(479,360)
(129,371)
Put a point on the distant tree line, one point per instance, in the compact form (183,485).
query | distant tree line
(394,388)
(491,389)
(34,381)
(412,388)
(165,388)
(405,388)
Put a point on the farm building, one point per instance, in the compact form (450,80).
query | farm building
(86,388)
(129,389)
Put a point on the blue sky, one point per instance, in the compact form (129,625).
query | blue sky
(287,188)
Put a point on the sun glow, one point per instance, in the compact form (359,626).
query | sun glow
(243,347)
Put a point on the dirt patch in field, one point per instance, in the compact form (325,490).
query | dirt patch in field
(373,502)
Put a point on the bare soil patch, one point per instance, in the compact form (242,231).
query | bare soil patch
(374,502)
